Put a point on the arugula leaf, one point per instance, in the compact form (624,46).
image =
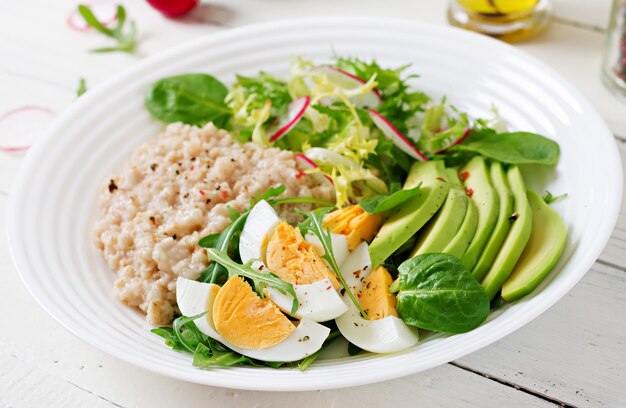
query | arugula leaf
(436,292)
(204,357)
(195,99)
(511,148)
(269,193)
(223,242)
(381,203)
(549,198)
(232,213)
(261,278)
(183,324)
(126,39)
(314,222)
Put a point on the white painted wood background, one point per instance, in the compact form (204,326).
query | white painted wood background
(573,355)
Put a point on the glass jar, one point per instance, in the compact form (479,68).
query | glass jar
(614,64)
(507,20)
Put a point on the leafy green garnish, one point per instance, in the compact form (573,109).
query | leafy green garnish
(381,203)
(511,148)
(195,99)
(126,39)
(436,292)
(548,198)
(82,87)
(314,222)
(261,278)
(353,349)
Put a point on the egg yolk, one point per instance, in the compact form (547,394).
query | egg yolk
(293,259)
(246,320)
(355,223)
(375,298)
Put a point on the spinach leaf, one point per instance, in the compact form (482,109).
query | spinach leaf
(436,292)
(381,203)
(261,278)
(195,99)
(511,148)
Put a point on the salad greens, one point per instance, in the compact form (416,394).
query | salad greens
(381,203)
(126,39)
(436,292)
(195,99)
(549,198)
(314,222)
(207,353)
(261,277)
(337,120)
(511,148)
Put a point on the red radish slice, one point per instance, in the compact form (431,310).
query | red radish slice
(21,126)
(173,8)
(105,12)
(457,141)
(295,112)
(370,100)
(394,134)
(304,162)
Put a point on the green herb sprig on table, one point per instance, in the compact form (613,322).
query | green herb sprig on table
(126,38)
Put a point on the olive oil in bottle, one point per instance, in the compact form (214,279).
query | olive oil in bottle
(508,20)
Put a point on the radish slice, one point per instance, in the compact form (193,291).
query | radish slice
(21,126)
(304,162)
(105,12)
(295,112)
(457,141)
(369,100)
(394,134)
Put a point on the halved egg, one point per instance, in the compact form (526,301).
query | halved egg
(295,259)
(384,332)
(246,325)
(355,223)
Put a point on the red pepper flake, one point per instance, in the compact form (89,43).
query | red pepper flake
(224,194)
(357,273)
(300,175)
(441,179)
(469,192)
(192,168)
(329,288)
(464,175)
(201,192)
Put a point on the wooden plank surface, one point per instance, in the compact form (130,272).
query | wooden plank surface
(44,364)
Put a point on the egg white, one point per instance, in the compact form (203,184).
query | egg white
(386,335)
(197,297)
(316,302)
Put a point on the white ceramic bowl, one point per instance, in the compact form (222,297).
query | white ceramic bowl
(54,202)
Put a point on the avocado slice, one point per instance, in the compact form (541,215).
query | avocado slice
(498,178)
(409,217)
(542,252)
(516,239)
(458,245)
(478,187)
(442,228)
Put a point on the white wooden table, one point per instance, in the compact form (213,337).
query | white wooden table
(573,355)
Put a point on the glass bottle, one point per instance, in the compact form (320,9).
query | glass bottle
(614,63)
(508,20)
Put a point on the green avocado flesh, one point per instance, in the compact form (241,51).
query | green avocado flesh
(443,227)
(409,217)
(516,239)
(498,178)
(478,187)
(542,252)
(458,245)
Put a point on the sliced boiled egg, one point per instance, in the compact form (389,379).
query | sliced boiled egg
(378,335)
(339,244)
(256,232)
(286,253)
(243,320)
